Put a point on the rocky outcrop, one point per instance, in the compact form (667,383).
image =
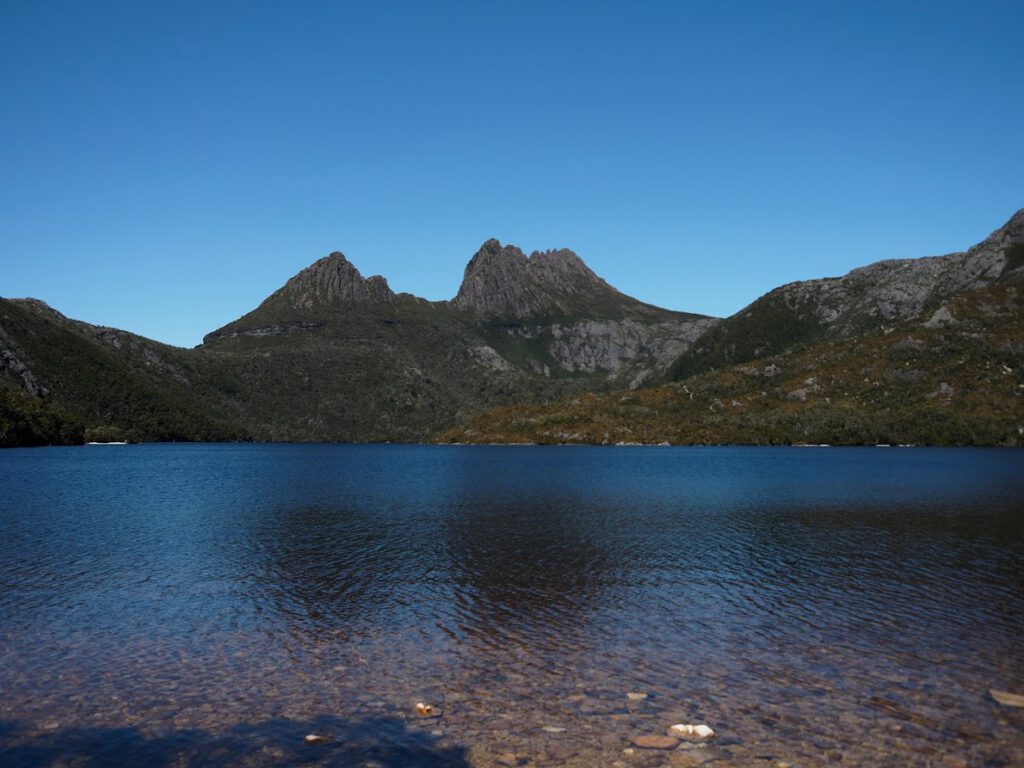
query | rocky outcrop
(488,357)
(592,346)
(331,280)
(277,329)
(136,348)
(13,365)
(39,307)
(900,289)
(865,300)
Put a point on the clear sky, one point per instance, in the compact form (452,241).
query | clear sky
(166,165)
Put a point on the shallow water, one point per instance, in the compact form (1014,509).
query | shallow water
(213,604)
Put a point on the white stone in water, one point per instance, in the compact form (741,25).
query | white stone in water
(553,729)
(636,696)
(686,731)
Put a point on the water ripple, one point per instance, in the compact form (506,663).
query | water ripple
(799,600)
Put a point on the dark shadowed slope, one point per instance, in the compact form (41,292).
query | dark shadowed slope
(105,384)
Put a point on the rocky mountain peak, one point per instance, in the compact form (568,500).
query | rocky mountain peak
(501,282)
(1011,233)
(330,280)
(1017,221)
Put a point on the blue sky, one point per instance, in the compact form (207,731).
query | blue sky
(165,166)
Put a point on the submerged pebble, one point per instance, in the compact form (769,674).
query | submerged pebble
(1006,698)
(560,752)
(654,741)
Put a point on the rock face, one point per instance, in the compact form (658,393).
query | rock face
(11,364)
(889,291)
(591,346)
(330,280)
(277,329)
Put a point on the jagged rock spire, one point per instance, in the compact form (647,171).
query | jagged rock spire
(501,282)
(330,280)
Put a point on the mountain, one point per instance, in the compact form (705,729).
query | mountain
(539,348)
(957,382)
(551,314)
(869,299)
(85,381)
(913,351)
(332,355)
(329,281)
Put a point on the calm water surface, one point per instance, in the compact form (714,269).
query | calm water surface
(168,605)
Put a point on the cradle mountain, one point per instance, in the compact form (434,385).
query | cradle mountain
(537,348)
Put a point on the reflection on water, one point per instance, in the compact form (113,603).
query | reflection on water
(528,569)
(210,605)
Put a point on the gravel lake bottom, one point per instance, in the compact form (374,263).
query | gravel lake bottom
(251,605)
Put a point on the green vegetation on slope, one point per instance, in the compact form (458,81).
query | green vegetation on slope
(27,421)
(1014,258)
(961,383)
(114,385)
(399,372)
(767,327)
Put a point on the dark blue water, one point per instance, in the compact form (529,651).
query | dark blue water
(213,604)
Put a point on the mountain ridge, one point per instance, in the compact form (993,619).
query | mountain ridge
(547,314)
(864,299)
(920,383)
(332,355)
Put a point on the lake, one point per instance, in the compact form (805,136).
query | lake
(167,605)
